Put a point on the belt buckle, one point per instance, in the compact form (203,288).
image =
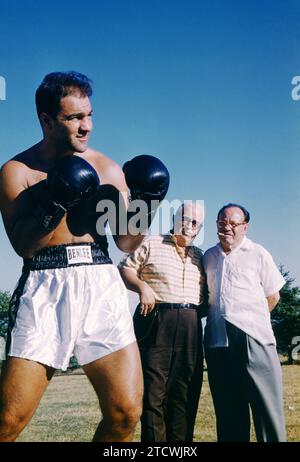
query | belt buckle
(185,306)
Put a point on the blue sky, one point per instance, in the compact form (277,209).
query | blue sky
(204,85)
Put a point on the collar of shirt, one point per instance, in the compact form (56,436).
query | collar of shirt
(245,244)
(182,251)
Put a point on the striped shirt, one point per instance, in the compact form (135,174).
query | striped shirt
(173,279)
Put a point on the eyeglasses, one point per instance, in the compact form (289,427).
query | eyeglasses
(232,224)
(195,223)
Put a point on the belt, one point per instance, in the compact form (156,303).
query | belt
(177,306)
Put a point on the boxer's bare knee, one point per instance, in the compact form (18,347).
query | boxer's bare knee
(119,422)
(120,393)
(21,387)
(11,424)
(124,417)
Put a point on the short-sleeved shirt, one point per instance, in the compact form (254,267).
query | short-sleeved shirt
(173,279)
(238,284)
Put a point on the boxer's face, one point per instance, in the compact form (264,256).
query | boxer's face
(73,124)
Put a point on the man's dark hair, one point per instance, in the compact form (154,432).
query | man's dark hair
(245,211)
(55,86)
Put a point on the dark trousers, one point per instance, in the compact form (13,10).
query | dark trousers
(246,374)
(172,360)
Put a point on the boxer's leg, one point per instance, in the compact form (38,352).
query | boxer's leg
(118,381)
(22,385)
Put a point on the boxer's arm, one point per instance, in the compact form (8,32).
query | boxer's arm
(25,233)
(127,242)
(116,190)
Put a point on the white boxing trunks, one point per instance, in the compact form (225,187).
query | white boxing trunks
(69,300)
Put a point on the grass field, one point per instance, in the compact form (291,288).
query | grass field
(69,411)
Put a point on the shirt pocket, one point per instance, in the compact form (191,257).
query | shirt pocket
(244,278)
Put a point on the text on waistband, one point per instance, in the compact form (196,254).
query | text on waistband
(79,254)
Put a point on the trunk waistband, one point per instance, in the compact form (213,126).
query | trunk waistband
(62,256)
(177,306)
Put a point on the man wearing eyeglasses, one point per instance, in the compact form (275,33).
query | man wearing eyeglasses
(243,366)
(166,271)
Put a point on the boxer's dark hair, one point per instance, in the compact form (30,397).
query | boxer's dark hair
(245,211)
(55,86)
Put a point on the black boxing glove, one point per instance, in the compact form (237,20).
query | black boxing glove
(71,181)
(147,178)
(68,184)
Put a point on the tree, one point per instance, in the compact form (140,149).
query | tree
(4,305)
(286,316)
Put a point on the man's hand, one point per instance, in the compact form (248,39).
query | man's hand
(147,299)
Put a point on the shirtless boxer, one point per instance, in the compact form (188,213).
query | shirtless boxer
(70,298)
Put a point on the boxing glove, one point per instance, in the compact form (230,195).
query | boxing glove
(147,178)
(71,181)
(68,184)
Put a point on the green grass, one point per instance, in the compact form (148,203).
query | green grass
(69,411)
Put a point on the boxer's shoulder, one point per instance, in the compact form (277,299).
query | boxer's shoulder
(22,171)
(15,179)
(14,172)
(29,157)
(101,161)
(108,170)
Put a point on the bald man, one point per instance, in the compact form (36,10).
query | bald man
(166,272)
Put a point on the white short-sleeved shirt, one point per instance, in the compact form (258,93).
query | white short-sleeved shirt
(238,284)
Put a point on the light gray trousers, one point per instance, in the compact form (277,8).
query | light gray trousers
(242,374)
